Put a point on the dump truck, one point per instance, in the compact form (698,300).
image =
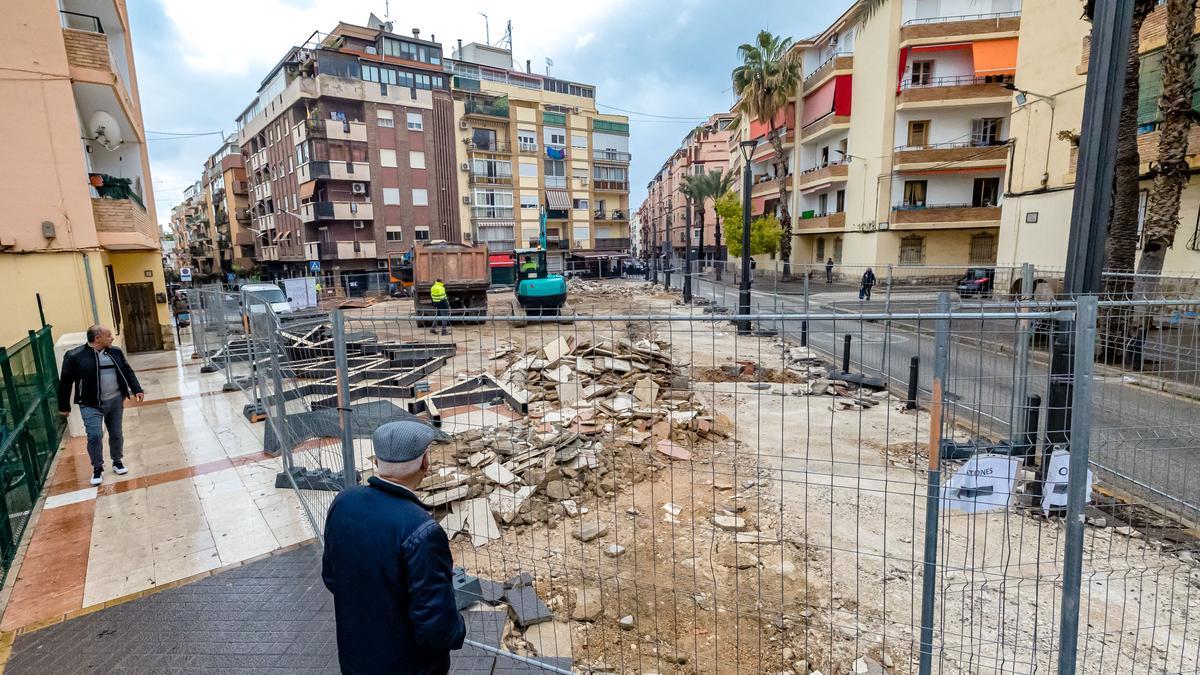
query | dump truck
(463,268)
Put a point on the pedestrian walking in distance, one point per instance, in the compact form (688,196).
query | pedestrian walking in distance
(829,271)
(868,280)
(441,305)
(102,379)
(387,563)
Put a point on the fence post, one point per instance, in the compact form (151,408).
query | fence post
(229,385)
(1086,314)
(804,323)
(349,466)
(16,411)
(282,431)
(941,364)
(887,327)
(46,394)
(1024,337)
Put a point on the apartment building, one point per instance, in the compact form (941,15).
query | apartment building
(227,201)
(80,242)
(349,151)
(1052,71)
(704,149)
(529,143)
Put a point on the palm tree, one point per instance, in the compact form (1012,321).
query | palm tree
(701,188)
(764,83)
(1171,170)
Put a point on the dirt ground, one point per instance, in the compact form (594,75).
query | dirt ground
(828,565)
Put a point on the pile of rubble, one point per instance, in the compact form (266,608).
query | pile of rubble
(598,288)
(601,416)
(819,380)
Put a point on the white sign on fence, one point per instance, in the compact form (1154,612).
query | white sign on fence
(984,483)
(1058,474)
(301,292)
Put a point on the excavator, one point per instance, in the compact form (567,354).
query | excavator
(538,292)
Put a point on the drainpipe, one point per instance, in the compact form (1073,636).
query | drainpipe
(87,271)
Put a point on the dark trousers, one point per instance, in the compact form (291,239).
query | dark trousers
(829,275)
(864,293)
(109,415)
(443,312)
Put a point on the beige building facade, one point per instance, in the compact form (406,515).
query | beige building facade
(80,241)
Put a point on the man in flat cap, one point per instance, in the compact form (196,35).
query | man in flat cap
(388,565)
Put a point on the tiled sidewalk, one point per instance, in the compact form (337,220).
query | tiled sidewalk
(199,496)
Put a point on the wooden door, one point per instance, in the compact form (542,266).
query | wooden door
(139,317)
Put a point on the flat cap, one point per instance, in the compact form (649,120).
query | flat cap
(402,441)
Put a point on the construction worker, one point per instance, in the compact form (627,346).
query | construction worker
(528,267)
(441,304)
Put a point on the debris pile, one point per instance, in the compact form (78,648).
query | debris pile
(599,288)
(816,379)
(601,415)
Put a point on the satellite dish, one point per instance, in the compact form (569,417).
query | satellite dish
(105,129)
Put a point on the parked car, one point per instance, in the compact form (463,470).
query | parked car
(976,282)
(634,267)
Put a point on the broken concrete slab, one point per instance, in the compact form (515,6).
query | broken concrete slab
(672,450)
(557,489)
(589,529)
(646,391)
(499,474)
(729,523)
(525,607)
(446,496)
(550,639)
(588,604)
(555,349)
(505,504)
(479,522)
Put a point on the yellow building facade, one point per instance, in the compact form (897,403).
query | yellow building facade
(80,238)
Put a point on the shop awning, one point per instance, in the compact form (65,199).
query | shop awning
(995,57)
(558,200)
(500,261)
(757,205)
(306,189)
(496,223)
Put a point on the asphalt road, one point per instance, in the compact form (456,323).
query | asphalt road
(1144,442)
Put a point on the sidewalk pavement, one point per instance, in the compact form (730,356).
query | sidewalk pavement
(199,497)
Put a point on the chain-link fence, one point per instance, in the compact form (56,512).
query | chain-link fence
(821,485)
(30,429)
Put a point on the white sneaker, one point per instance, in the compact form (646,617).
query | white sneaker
(97,476)
(120,468)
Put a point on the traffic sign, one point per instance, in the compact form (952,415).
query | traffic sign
(314,266)
(185,274)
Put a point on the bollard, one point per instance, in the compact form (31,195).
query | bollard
(846,354)
(1033,405)
(914,369)
(804,333)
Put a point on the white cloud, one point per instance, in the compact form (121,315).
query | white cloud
(585,40)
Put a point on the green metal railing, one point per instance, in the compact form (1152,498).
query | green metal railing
(30,430)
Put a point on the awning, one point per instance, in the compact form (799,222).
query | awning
(558,200)
(500,261)
(819,103)
(598,254)
(924,49)
(496,223)
(757,205)
(995,57)
(306,189)
(817,188)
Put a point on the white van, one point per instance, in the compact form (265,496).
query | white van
(255,298)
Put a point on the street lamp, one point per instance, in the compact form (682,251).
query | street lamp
(747,149)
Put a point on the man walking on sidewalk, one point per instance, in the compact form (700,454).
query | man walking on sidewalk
(387,563)
(829,271)
(441,305)
(102,380)
(868,280)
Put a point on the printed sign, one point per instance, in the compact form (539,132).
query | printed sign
(1058,475)
(185,274)
(314,266)
(984,483)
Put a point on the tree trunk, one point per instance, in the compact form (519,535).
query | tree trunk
(1171,169)
(785,215)
(700,246)
(717,241)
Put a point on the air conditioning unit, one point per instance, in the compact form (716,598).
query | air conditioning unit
(465,166)
(884,225)
(358,225)
(462,124)
(575,110)
(466,236)
(467,199)
(358,188)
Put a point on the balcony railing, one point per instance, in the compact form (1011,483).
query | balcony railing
(270,253)
(495,245)
(823,165)
(492,212)
(826,66)
(495,147)
(615,214)
(961,17)
(951,146)
(490,179)
(608,244)
(611,185)
(485,107)
(355,171)
(956,81)
(334,130)
(612,156)
(556,181)
(316,211)
(346,250)
(904,206)
(79,21)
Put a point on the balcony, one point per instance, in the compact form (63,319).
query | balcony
(270,253)
(824,126)
(318,211)
(242,214)
(963,155)
(345,250)
(966,26)
(476,106)
(829,221)
(124,225)
(485,212)
(89,55)
(490,179)
(935,216)
(334,130)
(258,160)
(492,147)
(841,62)
(241,187)
(764,186)
(312,250)
(262,191)
(355,171)
(609,244)
(555,181)
(244,238)
(954,90)
(826,173)
(617,215)
(527,148)
(614,156)
(610,185)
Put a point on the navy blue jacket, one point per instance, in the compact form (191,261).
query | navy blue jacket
(388,565)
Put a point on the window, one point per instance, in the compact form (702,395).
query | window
(484,139)
(985,131)
(529,169)
(823,204)
(986,192)
(578,172)
(416,159)
(394,233)
(529,201)
(837,249)
(385,118)
(824,156)
(421,234)
(391,196)
(912,250)
(922,74)
(613,173)
(527,139)
(579,141)
(914,193)
(302,154)
(555,136)
(290,167)
(556,172)
(420,197)
(387,157)
(415,122)
(918,133)
(820,250)
(983,248)
(579,204)
(841,201)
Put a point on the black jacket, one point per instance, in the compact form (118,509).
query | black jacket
(388,565)
(81,370)
(868,279)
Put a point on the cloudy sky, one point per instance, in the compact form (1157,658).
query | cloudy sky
(200,63)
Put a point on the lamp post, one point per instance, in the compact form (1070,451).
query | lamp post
(747,149)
